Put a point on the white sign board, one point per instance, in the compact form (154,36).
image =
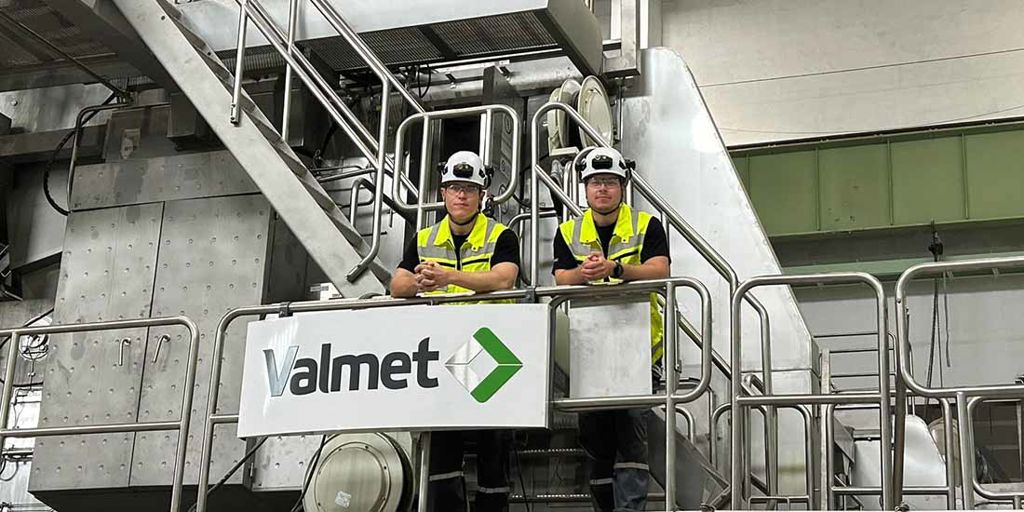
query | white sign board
(397,368)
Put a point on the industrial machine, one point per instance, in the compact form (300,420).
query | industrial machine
(258,159)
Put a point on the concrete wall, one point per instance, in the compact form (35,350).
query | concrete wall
(790,69)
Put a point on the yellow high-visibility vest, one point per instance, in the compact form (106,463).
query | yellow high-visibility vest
(436,244)
(625,247)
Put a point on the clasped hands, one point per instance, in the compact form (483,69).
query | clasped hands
(596,267)
(431,277)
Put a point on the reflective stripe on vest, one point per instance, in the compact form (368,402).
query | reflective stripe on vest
(625,247)
(437,245)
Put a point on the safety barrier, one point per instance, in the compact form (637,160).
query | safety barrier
(181,426)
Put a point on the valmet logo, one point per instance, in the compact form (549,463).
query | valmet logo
(484,351)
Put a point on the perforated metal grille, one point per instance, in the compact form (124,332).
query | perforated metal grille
(399,46)
(516,31)
(21,49)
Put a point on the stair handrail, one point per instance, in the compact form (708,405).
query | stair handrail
(426,118)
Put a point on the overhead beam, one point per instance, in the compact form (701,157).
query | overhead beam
(104,21)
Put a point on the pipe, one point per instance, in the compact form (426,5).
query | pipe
(426,118)
(336,108)
(364,51)
(79,121)
(967,471)
(378,193)
(286,108)
(882,397)
(236,94)
(182,425)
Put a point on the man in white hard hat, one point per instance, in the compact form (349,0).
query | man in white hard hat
(465,252)
(609,244)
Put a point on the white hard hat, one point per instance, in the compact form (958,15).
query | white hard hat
(601,160)
(465,166)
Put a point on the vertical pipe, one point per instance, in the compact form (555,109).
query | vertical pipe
(534,199)
(236,95)
(186,416)
(486,133)
(671,380)
(884,413)
(1020,437)
(966,451)
(900,428)
(211,409)
(1017,502)
(424,171)
(738,417)
(286,109)
(830,456)
(808,453)
(424,479)
(950,443)
(378,187)
(826,433)
(771,415)
(8,389)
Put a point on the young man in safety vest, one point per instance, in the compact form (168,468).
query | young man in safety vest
(465,252)
(612,243)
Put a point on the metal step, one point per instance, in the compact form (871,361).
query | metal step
(286,182)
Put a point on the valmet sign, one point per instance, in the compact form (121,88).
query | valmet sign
(401,368)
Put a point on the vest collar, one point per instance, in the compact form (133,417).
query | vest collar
(476,236)
(623,225)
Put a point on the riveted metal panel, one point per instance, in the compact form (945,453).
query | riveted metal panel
(106,274)
(927,181)
(784,190)
(855,190)
(212,258)
(995,174)
(169,178)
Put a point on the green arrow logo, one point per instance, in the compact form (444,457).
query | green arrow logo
(469,362)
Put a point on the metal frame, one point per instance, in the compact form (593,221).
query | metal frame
(967,425)
(961,394)
(739,401)
(808,418)
(181,426)
(559,294)
(675,220)
(487,111)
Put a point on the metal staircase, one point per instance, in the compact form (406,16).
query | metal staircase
(258,146)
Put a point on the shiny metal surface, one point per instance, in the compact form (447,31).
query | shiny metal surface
(107,271)
(882,397)
(394,30)
(185,409)
(559,294)
(288,185)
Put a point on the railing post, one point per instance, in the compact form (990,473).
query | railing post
(236,95)
(286,109)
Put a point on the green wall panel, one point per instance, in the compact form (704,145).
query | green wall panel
(995,174)
(742,165)
(854,187)
(783,188)
(927,181)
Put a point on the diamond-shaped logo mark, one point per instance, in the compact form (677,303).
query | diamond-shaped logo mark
(484,354)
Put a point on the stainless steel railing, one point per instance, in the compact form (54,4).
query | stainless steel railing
(675,221)
(960,394)
(181,426)
(740,464)
(670,398)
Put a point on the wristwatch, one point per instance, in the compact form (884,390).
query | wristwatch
(618,270)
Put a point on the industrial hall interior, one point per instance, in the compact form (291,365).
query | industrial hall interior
(511,255)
